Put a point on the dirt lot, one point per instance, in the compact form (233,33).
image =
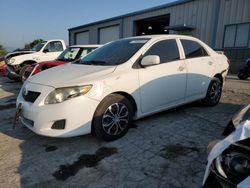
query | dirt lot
(164,150)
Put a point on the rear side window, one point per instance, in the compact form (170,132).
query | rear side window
(193,49)
(167,50)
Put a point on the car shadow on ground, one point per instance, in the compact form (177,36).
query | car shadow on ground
(154,146)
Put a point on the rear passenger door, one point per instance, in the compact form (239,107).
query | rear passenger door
(200,69)
(163,85)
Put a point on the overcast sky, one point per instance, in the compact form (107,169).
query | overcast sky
(22,21)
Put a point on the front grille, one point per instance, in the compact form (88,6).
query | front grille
(31,96)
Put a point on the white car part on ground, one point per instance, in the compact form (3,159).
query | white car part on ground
(241,133)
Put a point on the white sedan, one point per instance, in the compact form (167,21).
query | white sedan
(122,81)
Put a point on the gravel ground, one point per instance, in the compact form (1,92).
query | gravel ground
(163,150)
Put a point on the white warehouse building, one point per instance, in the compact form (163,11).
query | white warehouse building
(222,24)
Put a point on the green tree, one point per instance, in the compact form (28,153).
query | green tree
(32,44)
(2,50)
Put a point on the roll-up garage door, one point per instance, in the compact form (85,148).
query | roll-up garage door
(108,34)
(82,38)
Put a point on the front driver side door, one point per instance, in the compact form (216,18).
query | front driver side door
(53,50)
(163,85)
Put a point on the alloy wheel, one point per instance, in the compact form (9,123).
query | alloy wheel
(115,119)
(215,92)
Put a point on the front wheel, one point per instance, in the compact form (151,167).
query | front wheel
(23,77)
(213,93)
(112,117)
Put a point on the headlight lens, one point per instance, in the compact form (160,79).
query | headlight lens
(240,164)
(62,94)
(233,165)
(12,60)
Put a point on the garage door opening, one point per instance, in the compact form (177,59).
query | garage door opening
(152,26)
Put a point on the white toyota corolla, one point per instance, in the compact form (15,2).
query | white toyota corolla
(122,81)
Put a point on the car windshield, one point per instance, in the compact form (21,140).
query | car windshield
(38,46)
(70,54)
(114,53)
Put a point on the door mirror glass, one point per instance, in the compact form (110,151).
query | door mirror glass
(150,60)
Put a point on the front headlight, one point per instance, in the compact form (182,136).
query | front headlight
(234,163)
(12,60)
(62,94)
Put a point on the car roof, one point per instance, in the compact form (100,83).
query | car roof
(171,36)
(87,46)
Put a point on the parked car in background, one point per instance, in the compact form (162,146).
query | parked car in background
(71,54)
(3,69)
(244,73)
(121,81)
(43,51)
(229,159)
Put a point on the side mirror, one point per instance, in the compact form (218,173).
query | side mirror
(46,51)
(150,60)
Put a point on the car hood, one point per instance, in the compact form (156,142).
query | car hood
(70,75)
(13,54)
(21,57)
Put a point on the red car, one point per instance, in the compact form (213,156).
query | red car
(3,69)
(71,54)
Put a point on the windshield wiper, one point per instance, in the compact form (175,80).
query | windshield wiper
(93,62)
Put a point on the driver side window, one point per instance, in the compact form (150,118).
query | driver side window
(55,46)
(167,50)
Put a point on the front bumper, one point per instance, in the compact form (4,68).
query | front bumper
(77,113)
(10,72)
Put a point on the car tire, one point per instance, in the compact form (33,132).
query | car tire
(112,117)
(243,74)
(213,93)
(22,72)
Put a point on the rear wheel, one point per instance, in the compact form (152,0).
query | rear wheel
(112,117)
(213,93)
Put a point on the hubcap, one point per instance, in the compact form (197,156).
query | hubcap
(115,119)
(215,92)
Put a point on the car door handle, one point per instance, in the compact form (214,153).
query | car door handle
(181,68)
(210,62)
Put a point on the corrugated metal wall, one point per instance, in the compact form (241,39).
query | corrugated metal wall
(93,31)
(199,13)
(231,12)
(209,18)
